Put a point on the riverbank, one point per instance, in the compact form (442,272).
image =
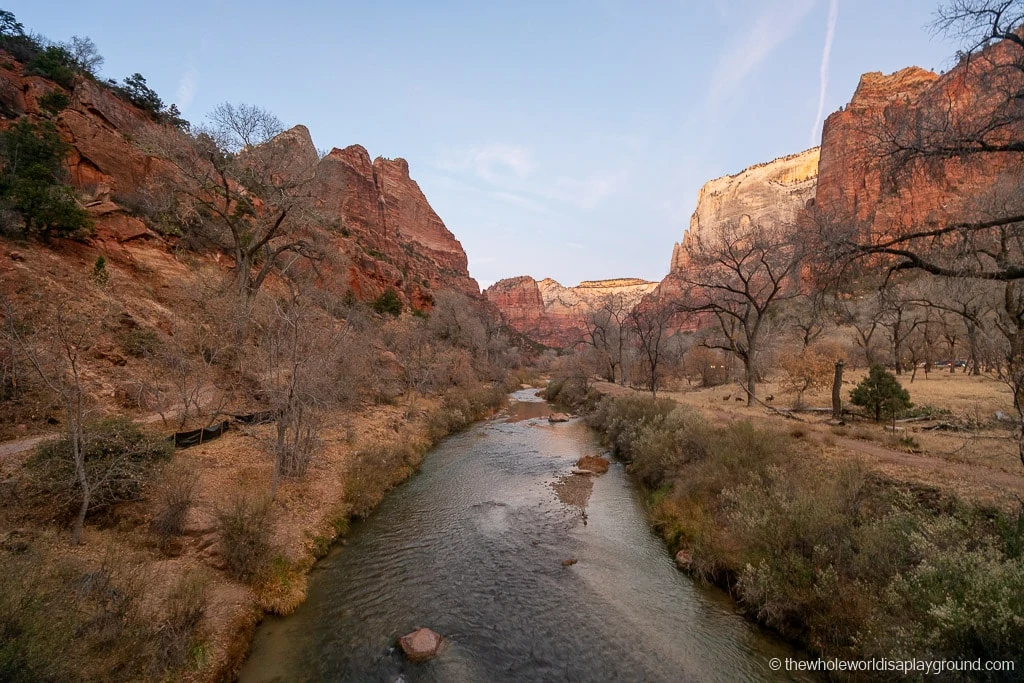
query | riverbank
(190,584)
(522,585)
(835,556)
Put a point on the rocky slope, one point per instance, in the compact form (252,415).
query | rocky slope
(552,314)
(373,213)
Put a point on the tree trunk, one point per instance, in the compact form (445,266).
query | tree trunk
(83,481)
(837,399)
(74,416)
(972,339)
(748,366)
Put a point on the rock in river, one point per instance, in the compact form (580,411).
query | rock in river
(558,417)
(420,645)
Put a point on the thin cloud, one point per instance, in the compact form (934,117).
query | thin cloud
(748,50)
(826,53)
(590,191)
(490,161)
(187,88)
(524,202)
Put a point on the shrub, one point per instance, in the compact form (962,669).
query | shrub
(139,342)
(245,535)
(99,271)
(665,444)
(380,466)
(620,421)
(66,618)
(182,614)
(54,102)
(388,303)
(14,40)
(569,391)
(56,63)
(881,393)
(32,181)
(175,497)
(119,463)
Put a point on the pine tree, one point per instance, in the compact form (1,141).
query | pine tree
(881,393)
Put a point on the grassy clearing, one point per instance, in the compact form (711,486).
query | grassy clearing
(843,561)
(62,618)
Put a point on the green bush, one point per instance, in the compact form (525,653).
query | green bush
(54,102)
(120,463)
(139,342)
(100,275)
(56,63)
(846,563)
(388,303)
(880,392)
(620,421)
(665,444)
(32,180)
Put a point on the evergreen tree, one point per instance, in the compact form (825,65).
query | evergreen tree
(881,393)
(32,180)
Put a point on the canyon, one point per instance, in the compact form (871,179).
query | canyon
(868,178)
(551,314)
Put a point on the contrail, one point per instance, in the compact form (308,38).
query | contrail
(830,32)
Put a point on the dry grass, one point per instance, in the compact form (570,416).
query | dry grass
(987,451)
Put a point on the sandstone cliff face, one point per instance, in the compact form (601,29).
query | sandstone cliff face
(389,231)
(765,194)
(864,186)
(374,214)
(551,314)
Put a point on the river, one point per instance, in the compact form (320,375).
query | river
(473,547)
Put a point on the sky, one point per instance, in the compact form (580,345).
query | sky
(564,139)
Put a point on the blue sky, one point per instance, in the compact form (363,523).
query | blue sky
(555,139)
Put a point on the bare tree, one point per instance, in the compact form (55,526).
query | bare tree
(606,330)
(739,275)
(86,55)
(55,357)
(298,347)
(254,192)
(973,119)
(649,323)
(237,127)
(414,346)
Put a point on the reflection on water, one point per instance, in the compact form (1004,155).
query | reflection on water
(472,547)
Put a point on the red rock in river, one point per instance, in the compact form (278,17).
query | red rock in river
(420,645)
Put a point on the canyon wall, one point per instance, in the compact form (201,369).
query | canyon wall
(764,194)
(871,180)
(552,314)
(373,216)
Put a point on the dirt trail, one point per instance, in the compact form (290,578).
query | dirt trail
(985,484)
(15,446)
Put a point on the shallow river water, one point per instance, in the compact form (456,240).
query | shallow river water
(473,548)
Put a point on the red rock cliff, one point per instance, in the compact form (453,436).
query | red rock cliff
(373,213)
(551,314)
(861,181)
